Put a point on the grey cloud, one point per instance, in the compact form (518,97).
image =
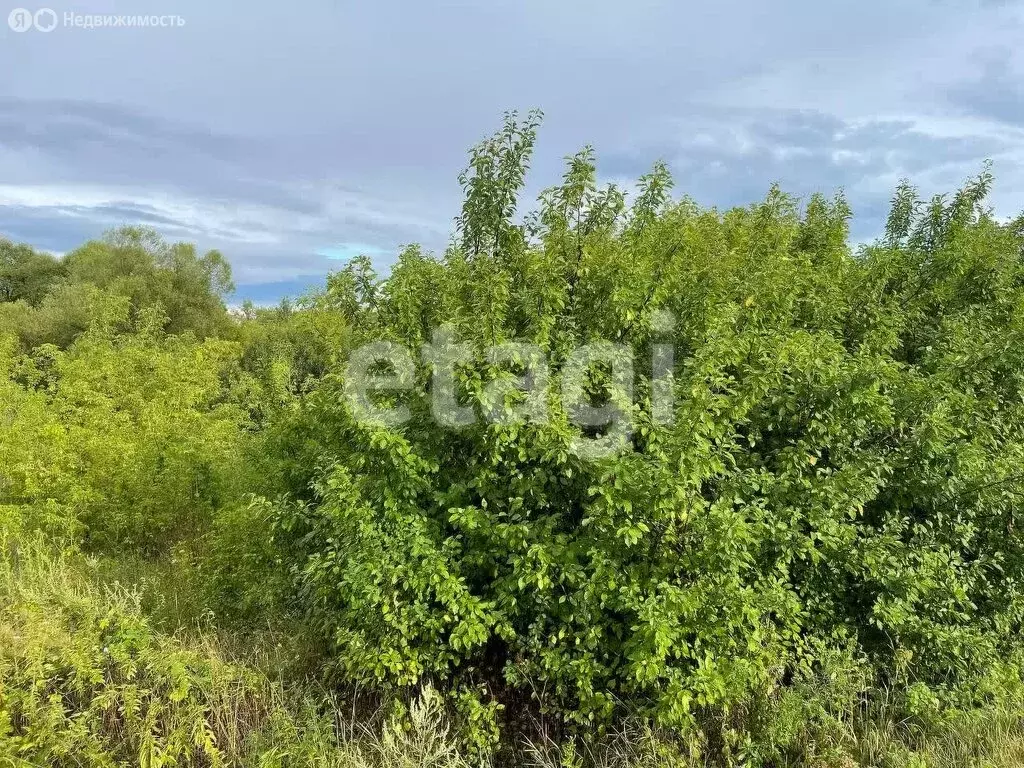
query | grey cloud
(731,157)
(106,143)
(46,229)
(996,93)
(719,155)
(272,132)
(255,188)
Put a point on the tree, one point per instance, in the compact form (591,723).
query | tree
(25,274)
(138,263)
(45,300)
(819,456)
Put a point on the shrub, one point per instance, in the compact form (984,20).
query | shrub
(138,437)
(837,466)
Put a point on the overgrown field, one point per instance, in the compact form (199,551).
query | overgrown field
(623,481)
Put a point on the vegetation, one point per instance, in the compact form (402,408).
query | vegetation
(613,483)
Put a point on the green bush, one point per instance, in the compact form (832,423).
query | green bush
(138,437)
(838,468)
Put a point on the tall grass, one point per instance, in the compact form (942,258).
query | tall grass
(86,679)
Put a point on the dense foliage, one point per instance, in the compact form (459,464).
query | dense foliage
(43,300)
(132,436)
(839,472)
(86,681)
(715,475)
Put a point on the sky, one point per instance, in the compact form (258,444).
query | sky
(291,136)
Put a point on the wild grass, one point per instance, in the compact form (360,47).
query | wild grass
(87,680)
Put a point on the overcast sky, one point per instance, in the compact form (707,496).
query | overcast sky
(288,133)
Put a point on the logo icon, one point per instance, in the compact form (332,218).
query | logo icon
(45,20)
(20,19)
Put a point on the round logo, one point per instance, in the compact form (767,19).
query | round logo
(45,19)
(20,19)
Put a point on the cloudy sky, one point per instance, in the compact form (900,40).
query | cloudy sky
(289,135)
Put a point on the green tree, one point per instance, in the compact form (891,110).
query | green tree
(25,274)
(48,301)
(136,262)
(822,457)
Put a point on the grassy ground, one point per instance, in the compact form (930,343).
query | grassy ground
(86,679)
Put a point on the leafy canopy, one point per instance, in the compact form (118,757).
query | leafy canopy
(838,470)
(45,300)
